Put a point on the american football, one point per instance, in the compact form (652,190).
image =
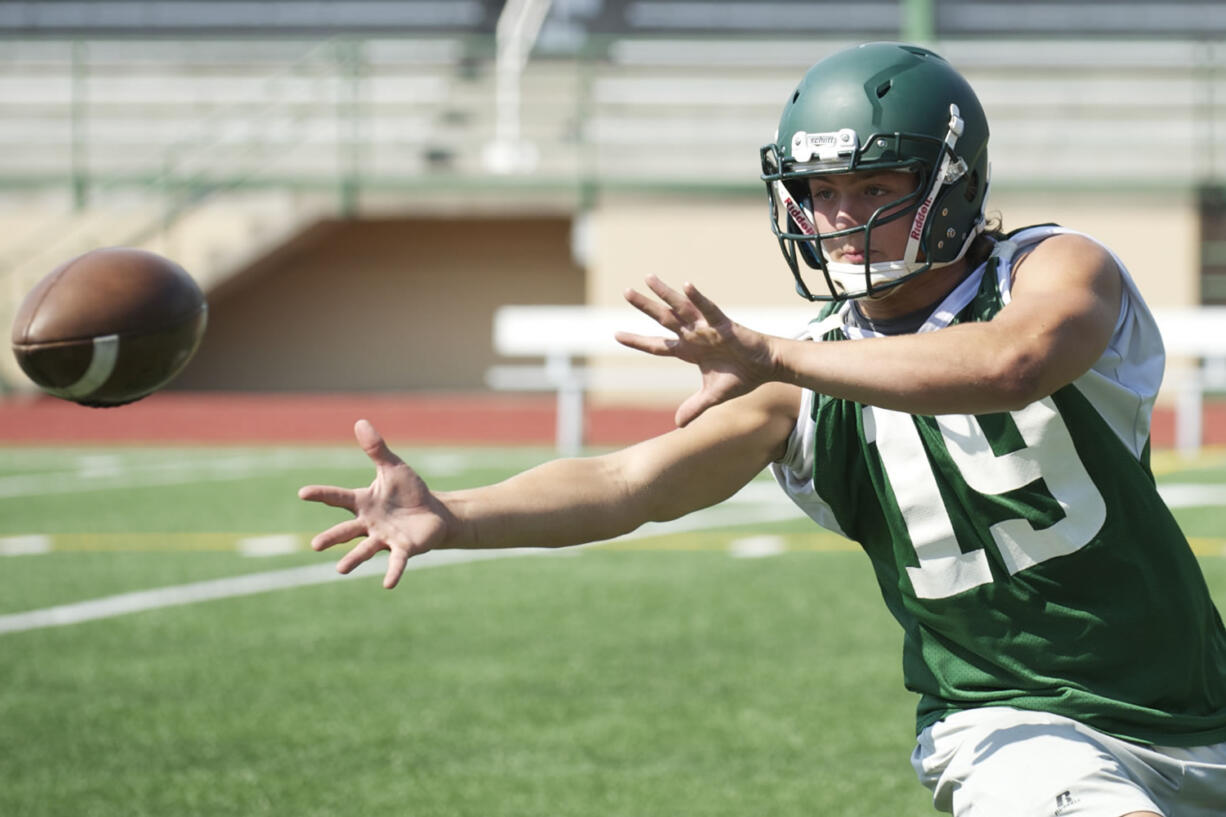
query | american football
(109,327)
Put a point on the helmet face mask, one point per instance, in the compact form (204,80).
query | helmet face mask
(794,223)
(879,107)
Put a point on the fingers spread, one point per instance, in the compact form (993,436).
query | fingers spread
(341,532)
(653,309)
(693,406)
(328,495)
(645,343)
(364,550)
(678,303)
(712,313)
(374,446)
(395,567)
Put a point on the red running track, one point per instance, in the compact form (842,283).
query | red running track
(442,419)
(208,417)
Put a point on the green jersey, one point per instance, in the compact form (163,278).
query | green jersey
(1026,554)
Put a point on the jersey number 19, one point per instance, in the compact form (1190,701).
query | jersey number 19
(944,570)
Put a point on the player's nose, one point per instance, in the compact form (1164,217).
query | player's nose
(843,210)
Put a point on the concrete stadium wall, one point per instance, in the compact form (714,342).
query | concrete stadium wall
(727,250)
(726,247)
(387,304)
(405,301)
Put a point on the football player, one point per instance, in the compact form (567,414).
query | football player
(972,408)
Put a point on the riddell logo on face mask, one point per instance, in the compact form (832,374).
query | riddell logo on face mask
(921,216)
(798,216)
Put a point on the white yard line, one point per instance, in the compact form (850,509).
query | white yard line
(31,545)
(1192,495)
(277,544)
(106,472)
(250,584)
(757,547)
(751,505)
(758,502)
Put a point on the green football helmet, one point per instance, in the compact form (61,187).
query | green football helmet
(880,106)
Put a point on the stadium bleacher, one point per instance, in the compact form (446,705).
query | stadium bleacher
(128,88)
(289,108)
(235,16)
(573,20)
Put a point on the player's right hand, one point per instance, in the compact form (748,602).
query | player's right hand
(732,359)
(397,512)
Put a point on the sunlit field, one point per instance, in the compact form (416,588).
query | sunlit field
(173,648)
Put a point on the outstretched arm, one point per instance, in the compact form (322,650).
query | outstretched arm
(1066,300)
(563,502)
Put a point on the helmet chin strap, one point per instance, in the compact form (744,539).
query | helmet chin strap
(850,277)
(949,171)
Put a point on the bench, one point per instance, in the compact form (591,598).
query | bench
(1198,334)
(563,336)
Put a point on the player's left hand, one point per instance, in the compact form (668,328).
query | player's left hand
(733,360)
(397,513)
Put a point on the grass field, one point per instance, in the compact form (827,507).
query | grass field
(659,674)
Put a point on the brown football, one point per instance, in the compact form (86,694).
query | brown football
(109,327)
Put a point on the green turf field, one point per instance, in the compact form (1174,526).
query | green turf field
(654,675)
